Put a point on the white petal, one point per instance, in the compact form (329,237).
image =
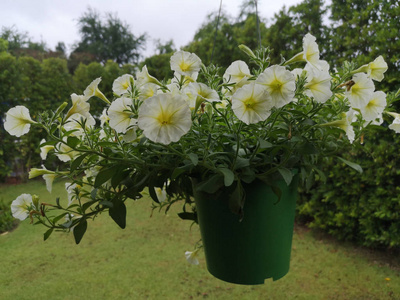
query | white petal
(164,118)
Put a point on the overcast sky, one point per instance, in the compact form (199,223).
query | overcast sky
(56,20)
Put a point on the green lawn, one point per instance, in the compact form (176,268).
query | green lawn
(146,261)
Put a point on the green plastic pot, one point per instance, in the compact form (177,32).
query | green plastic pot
(256,248)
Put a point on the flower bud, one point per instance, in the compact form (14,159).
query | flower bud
(247,51)
(34,172)
(35,201)
(61,108)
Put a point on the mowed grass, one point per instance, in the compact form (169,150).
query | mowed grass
(146,261)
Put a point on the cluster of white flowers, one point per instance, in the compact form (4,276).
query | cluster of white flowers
(164,113)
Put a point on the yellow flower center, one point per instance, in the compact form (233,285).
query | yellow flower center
(125,85)
(164,119)
(249,103)
(371,104)
(184,66)
(276,85)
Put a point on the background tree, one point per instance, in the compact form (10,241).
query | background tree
(16,39)
(225,41)
(158,65)
(367,29)
(109,39)
(285,35)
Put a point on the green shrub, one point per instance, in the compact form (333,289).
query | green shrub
(7,222)
(361,207)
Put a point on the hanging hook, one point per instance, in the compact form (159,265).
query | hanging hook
(216,30)
(258,25)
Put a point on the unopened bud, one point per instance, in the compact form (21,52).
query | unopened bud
(247,51)
(61,108)
(35,201)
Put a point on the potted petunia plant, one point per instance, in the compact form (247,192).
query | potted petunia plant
(229,145)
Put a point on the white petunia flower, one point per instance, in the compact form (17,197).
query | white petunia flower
(75,122)
(120,114)
(130,135)
(222,105)
(396,122)
(144,77)
(93,90)
(374,108)
(185,79)
(237,73)
(345,124)
(310,54)
(148,90)
(191,257)
(49,178)
(377,68)
(161,194)
(20,206)
(280,84)
(102,135)
(104,117)
(123,84)
(164,118)
(35,172)
(44,150)
(185,63)
(199,92)
(360,91)
(395,125)
(18,121)
(318,85)
(92,172)
(310,49)
(71,192)
(64,152)
(252,103)
(173,88)
(374,69)
(79,105)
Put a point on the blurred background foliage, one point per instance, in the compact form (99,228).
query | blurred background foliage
(350,206)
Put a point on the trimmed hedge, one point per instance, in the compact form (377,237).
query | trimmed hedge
(7,222)
(361,207)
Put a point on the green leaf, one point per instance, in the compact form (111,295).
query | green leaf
(177,172)
(77,162)
(93,194)
(194,158)
(241,163)
(236,200)
(58,218)
(73,141)
(106,203)
(48,143)
(152,193)
(211,185)
(106,144)
(188,216)
(79,230)
(119,177)
(47,234)
(104,175)
(286,174)
(86,205)
(355,166)
(229,176)
(265,144)
(118,213)
(248,175)
(277,191)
